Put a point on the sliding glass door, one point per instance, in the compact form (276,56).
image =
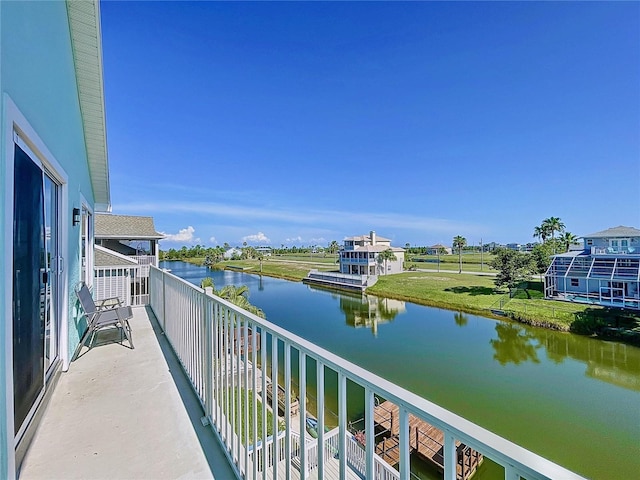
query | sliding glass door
(35,285)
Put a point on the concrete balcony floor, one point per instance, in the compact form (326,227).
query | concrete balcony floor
(125,414)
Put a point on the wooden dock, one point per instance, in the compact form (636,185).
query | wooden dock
(425,440)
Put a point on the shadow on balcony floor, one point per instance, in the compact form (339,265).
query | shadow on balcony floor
(125,414)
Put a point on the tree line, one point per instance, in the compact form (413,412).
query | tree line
(216,254)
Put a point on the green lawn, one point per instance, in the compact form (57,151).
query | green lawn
(464,292)
(476,294)
(471,262)
(307,257)
(274,268)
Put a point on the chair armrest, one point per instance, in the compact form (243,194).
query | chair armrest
(108,303)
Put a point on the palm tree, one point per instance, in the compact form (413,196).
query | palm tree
(459,242)
(235,295)
(386,255)
(567,239)
(541,232)
(553,225)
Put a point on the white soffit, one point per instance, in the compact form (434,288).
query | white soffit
(86,41)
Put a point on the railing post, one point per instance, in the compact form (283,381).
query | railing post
(287,403)
(450,457)
(164,302)
(369,432)
(342,422)
(510,473)
(245,345)
(254,403)
(275,392)
(302,358)
(320,403)
(208,355)
(405,467)
(263,370)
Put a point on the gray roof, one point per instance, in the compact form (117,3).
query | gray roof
(103,257)
(376,248)
(619,231)
(359,238)
(126,227)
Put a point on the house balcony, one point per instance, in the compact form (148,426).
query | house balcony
(358,261)
(614,251)
(188,403)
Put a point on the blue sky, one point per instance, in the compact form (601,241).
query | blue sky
(301,123)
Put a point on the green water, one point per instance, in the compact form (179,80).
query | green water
(571,399)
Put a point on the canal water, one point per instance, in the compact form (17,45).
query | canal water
(572,399)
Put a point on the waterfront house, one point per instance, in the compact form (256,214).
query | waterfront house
(55,178)
(360,255)
(605,272)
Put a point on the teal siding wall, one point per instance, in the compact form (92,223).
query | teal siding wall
(37,73)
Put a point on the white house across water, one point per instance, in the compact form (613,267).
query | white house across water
(361,256)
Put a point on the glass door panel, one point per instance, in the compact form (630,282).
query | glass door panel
(30,282)
(51,319)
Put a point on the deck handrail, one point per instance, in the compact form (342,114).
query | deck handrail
(199,327)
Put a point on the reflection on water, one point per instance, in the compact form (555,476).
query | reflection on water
(461,319)
(369,311)
(514,345)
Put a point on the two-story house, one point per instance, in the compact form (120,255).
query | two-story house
(606,272)
(361,256)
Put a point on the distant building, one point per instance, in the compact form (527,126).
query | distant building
(605,272)
(514,246)
(439,248)
(491,246)
(126,246)
(266,251)
(133,236)
(361,255)
(232,252)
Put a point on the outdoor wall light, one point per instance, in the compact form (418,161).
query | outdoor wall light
(76,217)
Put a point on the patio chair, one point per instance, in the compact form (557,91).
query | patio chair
(107,313)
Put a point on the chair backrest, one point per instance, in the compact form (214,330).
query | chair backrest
(86,300)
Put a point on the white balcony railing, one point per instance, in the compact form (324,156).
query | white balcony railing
(129,284)
(614,250)
(216,346)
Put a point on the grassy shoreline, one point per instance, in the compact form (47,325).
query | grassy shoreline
(470,293)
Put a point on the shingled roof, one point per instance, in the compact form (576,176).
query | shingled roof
(108,258)
(126,227)
(615,232)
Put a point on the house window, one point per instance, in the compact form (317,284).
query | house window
(619,243)
(589,242)
(575,282)
(86,264)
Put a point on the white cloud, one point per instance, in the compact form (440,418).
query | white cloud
(257,238)
(318,241)
(213,240)
(297,239)
(185,235)
(339,220)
